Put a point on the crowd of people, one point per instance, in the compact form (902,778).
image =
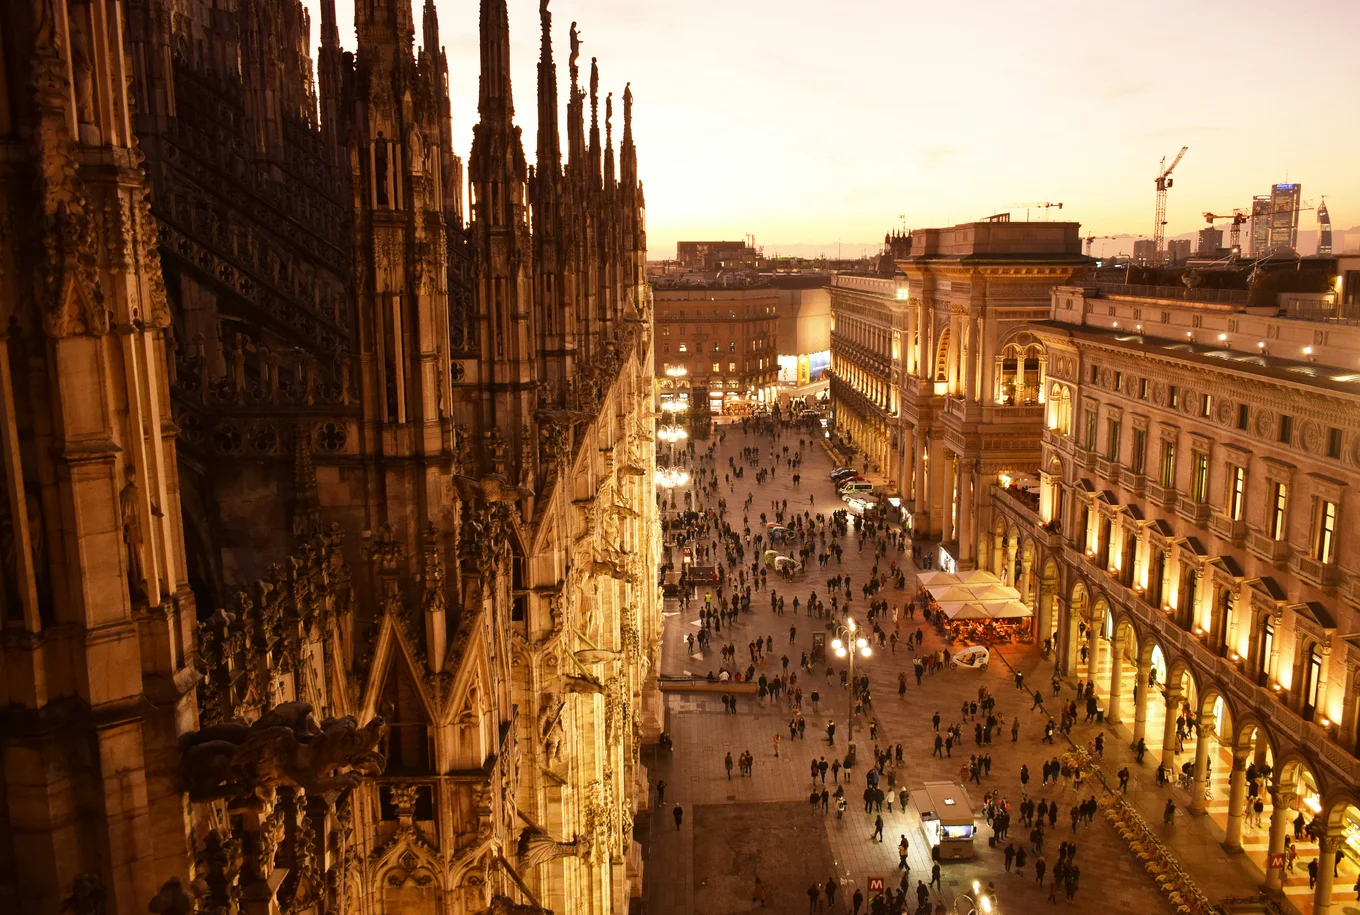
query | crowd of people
(734,584)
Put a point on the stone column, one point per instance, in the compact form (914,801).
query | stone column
(997,560)
(1026,570)
(1206,730)
(1279,824)
(1322,891)
(1112,716)
(1140,691)
(1237,801)
(967,539)
(1173,702)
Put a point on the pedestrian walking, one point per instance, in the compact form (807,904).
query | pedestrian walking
(679,814)
(660,792)
(878,828)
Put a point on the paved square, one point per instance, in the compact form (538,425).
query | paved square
(765,829)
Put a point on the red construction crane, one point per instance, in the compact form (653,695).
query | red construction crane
(1164,183)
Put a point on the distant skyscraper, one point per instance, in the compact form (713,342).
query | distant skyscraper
(1324,228)
(1210,241)
(1143,250)
(1177,251)
(1275,219)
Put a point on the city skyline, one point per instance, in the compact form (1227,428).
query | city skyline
(745,102)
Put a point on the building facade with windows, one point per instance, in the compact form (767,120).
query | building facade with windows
(1195,546)
(938,378)
(724,340)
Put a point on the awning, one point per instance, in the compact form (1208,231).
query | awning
(1010,610)
(951,593)
(937,578)
(965,610)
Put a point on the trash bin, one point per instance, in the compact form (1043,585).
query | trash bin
(1100,716)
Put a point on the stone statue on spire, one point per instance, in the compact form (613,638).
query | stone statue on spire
(575,51)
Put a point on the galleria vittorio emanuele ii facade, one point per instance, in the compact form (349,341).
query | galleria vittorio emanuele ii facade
(327,548)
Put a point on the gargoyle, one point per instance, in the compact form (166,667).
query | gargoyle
(584,685)
(284,747)
(562,417)
(605,567)
(504,905)
(536,847)
(596,655)
(492,488)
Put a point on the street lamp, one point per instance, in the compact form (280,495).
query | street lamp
(671,478)
(978,903)
(672,434)
(848,643)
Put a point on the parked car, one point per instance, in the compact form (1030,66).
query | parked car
(841,472)
(855,486)
(974,658)
(788,564)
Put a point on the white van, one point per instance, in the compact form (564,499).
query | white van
(859,486)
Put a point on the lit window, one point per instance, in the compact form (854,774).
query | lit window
(1138,460)
(731,366)
(1279,496)
(717,367)
(1168,468)
(1237,493)
(731,346)
(1175,397)
(1199,485)
(684,348)
(1324,532)
(1206,404)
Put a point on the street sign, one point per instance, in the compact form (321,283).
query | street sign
(1277,860)
(875,884)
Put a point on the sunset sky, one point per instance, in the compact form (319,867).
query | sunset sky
(809,123)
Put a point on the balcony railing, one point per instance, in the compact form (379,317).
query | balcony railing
(1176,293)
(1164,496)
(1228,529)
(1322,574)
(1134,482)
(1192,510)
(1267,547)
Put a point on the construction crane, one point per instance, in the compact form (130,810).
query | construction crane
(1092,239)
(1239,218)
(1159,224)
(1042,205)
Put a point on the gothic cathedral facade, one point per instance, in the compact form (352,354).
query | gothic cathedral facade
(329,535)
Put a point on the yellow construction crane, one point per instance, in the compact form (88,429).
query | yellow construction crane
(1092,239)
(1041,205)
(1239,218)
(1159,224)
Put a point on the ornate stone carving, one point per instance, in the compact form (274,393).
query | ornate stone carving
(284,747)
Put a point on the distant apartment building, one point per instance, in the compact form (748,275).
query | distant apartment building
(706,255)
(1210,242)
(1177,251)
(723,339)
(1144,251)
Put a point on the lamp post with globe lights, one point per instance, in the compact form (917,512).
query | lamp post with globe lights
(979,903)
(848,643)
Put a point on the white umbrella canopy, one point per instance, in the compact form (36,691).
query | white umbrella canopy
(964,610)
(951,593)
(978,577)
(1010,610)
(996,592)
(936,578)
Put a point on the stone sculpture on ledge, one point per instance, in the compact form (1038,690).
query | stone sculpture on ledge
(284,747)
